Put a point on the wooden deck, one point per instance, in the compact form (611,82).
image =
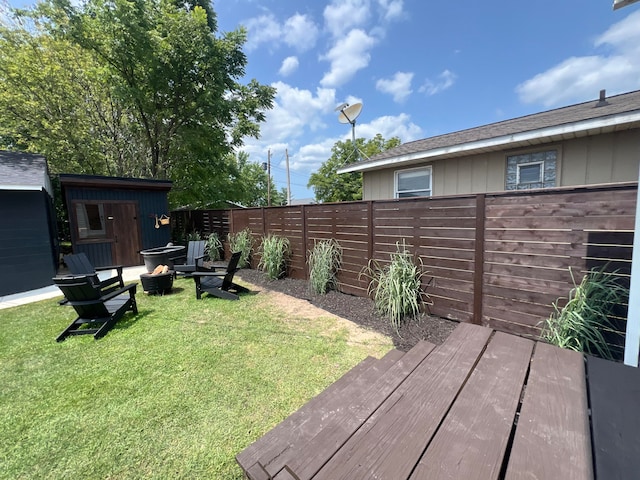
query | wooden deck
(483,405)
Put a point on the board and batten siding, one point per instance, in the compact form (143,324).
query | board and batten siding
(606,158)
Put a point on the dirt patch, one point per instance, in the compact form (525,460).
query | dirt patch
(358,310)
(299,308)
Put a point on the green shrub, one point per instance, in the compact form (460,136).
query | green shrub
(193,236)
(324,261)
(580,324)
(213,247)
(242,242)
(275,252)
(396,287)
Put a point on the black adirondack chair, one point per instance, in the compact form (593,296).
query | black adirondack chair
(220,284)
(79,264)
(97,311)
(193,261)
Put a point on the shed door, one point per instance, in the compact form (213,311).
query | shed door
(124,229)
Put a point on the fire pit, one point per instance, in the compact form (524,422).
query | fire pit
(159,283)
(161,256)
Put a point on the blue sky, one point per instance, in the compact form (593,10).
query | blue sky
(422,68)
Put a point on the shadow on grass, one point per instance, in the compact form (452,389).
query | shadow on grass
(130,319)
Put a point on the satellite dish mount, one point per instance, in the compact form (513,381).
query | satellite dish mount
(349,114)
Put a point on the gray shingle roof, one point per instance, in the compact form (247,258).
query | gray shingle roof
(23,171)
(615,105)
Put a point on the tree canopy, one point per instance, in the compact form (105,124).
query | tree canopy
(132,88)
(329,186)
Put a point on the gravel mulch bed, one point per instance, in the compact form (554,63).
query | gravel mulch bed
(359,310)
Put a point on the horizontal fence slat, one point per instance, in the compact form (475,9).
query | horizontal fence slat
(531,244)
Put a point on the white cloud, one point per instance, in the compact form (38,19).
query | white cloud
(295,112)
(399,86)
(391,126)
(262,29)
(341,16)
(445,80)
(310,157)
(348,55)
(300,32)
(391,9)
(581,78)
(289,65)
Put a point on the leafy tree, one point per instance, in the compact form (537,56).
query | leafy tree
(329,186)
(56,101)
(159,73)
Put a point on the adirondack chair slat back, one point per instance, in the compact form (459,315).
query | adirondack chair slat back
(79,264)
(195,249)
(232,268)
(80,288)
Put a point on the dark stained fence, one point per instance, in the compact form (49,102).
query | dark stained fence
(350,225)
(537,245)
(202,221)
(494,259)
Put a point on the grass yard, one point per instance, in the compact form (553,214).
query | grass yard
(175,392)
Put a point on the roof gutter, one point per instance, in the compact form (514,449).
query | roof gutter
(456,150)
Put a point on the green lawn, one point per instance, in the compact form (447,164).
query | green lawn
(175,392)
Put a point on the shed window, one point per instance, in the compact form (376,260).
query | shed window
(90,218)
(413,183)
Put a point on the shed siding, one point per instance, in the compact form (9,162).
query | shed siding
(150,203)
(26,238)
(606,158)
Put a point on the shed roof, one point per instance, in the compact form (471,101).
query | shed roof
(24,171)
(619,112)
(96,181)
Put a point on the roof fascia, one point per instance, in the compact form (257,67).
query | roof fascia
(503,140)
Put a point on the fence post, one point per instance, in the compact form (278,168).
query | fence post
(479,259)
(370,245)
(304,241)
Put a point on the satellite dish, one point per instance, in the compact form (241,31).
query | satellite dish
(350,113)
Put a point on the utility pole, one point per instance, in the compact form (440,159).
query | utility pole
(286,152)
(268,178)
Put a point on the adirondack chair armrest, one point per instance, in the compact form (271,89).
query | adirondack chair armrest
(184,268)
(110,267)
(131,288)
(111,281)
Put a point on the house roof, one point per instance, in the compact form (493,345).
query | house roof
(619,112)
(24,171)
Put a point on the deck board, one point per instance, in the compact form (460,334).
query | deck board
(271,442)
(552,438)
(614,392)
(472,440)
(390,443)
(483,405)
(311,456)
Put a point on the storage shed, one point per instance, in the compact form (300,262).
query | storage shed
(112,218)
(28,239)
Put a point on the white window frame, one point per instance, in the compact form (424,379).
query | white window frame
(540,177)
(83,226)
(397,173)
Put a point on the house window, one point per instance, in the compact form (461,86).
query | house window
(413,183)
(90,217)
(531,170)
